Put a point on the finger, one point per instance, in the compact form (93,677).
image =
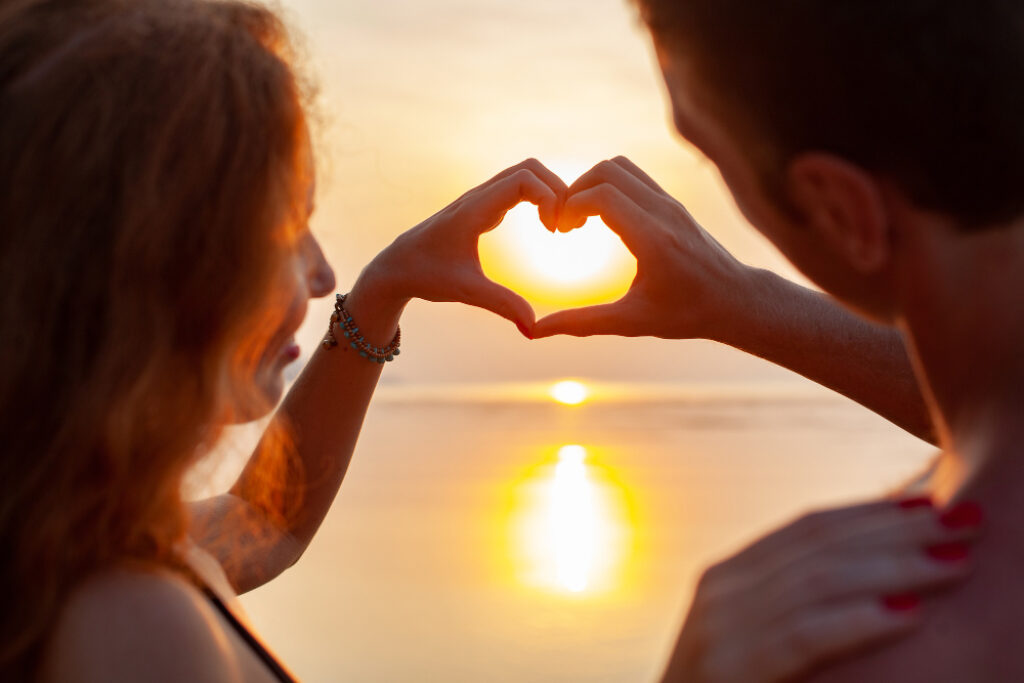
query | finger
(614,174)
(549,178)
(583,322)
(891,526)
(859,528)
(552,180)
(819,524)
(487,206)
(824,581)
(898,529)
(812,562)
(831,633)
(640,174)
(620,213)
(491,296)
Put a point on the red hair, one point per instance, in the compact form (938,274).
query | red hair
(148,151)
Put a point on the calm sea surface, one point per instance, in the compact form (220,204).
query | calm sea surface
(489,533)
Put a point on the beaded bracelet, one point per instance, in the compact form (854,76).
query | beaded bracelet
(377,354)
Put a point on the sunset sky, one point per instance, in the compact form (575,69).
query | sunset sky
(422,100)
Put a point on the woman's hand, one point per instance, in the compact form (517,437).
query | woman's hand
(686,283)
(821,588)
(438,259)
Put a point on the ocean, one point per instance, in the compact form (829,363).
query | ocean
(491,533)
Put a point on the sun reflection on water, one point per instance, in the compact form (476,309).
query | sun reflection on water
(571,525)
(572,520)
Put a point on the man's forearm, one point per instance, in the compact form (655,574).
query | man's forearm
(809,333)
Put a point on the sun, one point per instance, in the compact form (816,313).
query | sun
(588,265)
(569,392)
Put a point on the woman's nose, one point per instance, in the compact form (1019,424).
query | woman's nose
(320,275)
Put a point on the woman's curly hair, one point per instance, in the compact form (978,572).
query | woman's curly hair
(147,151)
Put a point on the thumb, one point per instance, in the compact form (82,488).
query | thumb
(583,322)
(503,301)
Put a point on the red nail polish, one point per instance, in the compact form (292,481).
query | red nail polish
(948,552)
(525,330)
(902,603)
(966,514)
(918,502)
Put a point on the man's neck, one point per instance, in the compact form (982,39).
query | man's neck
(964,319)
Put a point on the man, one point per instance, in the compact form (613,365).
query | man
(880,146)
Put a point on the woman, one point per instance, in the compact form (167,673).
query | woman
(158,181)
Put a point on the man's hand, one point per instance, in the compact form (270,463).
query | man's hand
(686,284)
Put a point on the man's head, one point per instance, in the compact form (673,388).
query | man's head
(820,114)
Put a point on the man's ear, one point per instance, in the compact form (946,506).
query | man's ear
(844,205)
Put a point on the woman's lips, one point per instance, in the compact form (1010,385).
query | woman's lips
(291,351)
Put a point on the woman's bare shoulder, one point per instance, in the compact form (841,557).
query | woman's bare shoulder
(138,625)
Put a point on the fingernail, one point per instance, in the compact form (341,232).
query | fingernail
(966,514)
(902,603)
(917,502)
(525,330)
(948,552)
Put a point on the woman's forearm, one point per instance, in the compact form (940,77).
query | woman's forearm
(289,483)
(809,333)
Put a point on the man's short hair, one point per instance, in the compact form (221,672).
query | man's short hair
(929,93)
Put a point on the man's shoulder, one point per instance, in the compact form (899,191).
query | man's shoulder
(896,662)
(127,624)
(955,642)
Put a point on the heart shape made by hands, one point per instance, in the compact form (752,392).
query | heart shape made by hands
(555,271)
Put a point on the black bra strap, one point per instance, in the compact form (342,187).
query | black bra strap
(275,667)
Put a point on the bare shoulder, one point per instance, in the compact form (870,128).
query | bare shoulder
(969,636)
(900,661)
(138,625)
